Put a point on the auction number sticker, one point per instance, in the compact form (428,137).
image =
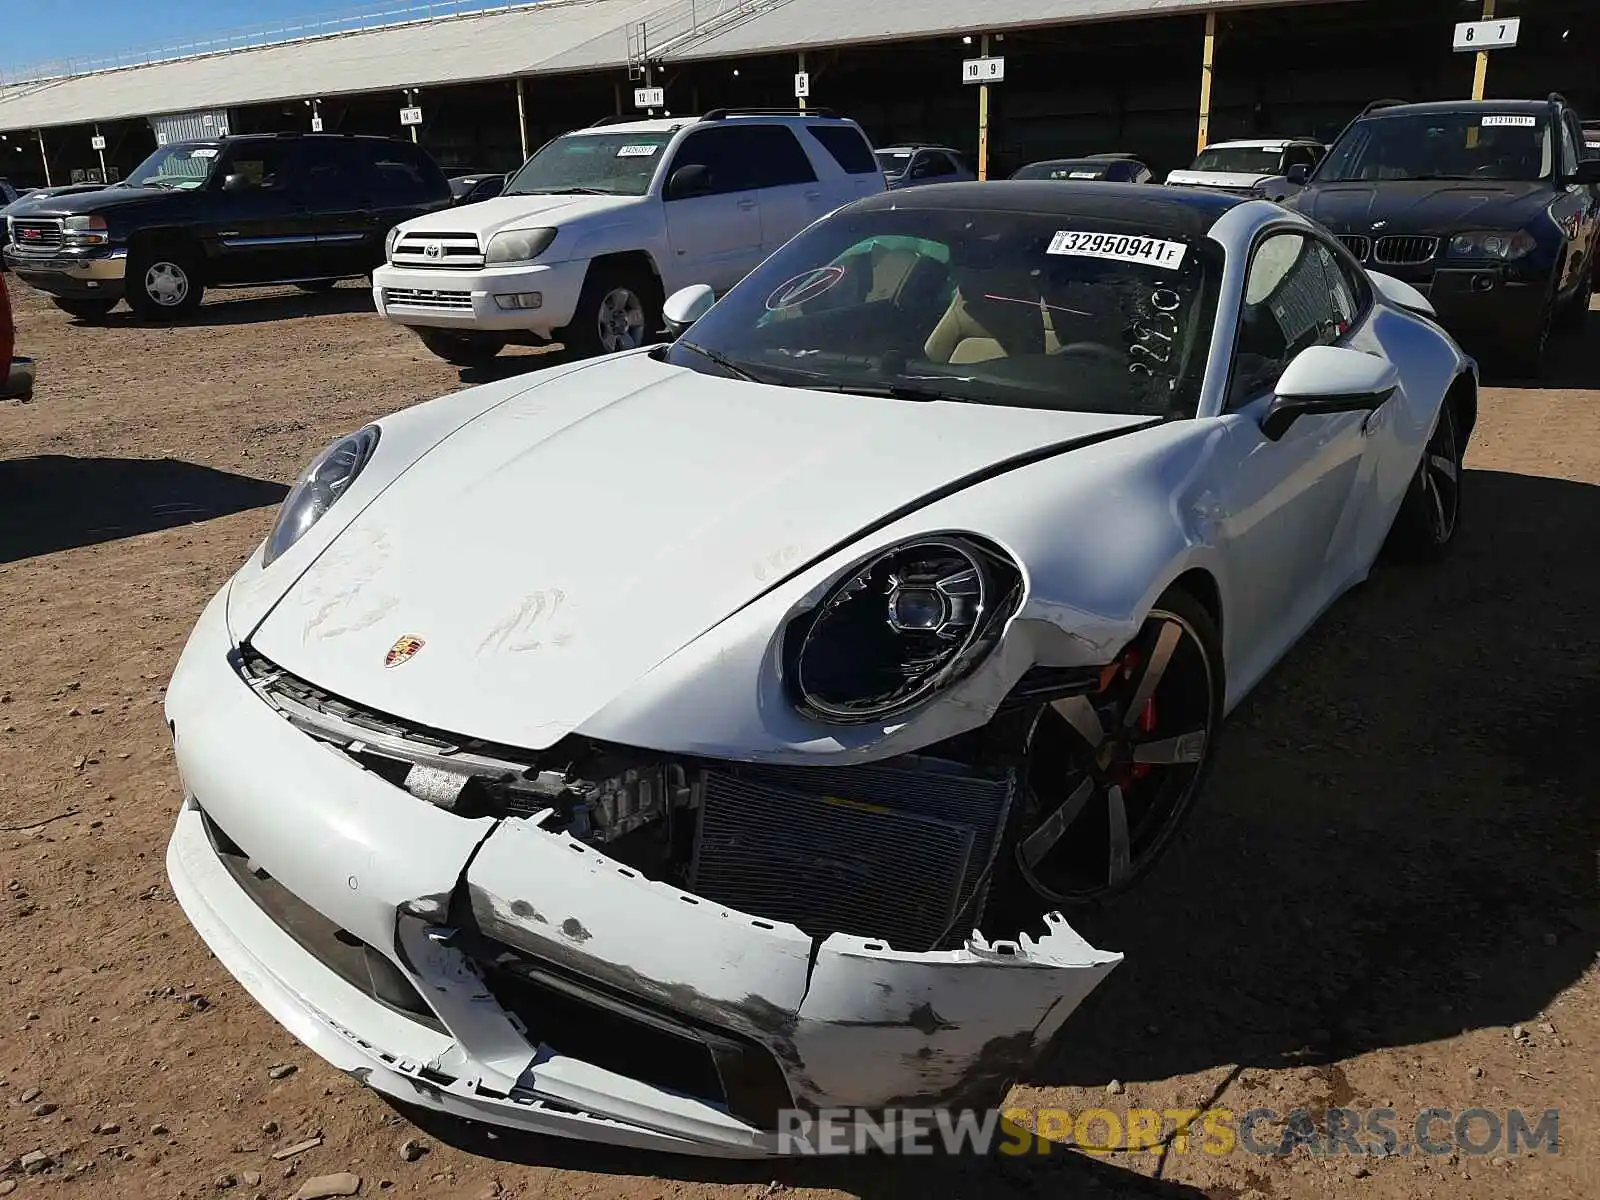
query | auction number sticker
(1119,246)
(636,151)
(204,152)
(1521,122)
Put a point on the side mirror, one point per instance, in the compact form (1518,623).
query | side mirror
(1328,379)
(236,183)
(1401,294)
(693,180)
(686,306)
(1298,174)
(1588,173)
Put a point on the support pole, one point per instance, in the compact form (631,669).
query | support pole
(1207,59)
(522,119)
(44,158)
(104,178)
(983,118)
(1480,73)
(800,66)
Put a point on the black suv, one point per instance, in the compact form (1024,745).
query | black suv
(1490,208)
(307,209)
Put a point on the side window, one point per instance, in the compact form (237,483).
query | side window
(396,177)
(716,150)
(1571,153)
(774,157)
(1288,305)
(334,175)
(1299,156)
(934,164)
(267,167)
(849,148)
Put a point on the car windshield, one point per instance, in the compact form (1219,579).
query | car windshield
(894,162)
(1474,144)
(186,166)
(606,164)
(1239,160)
(1064,168)
(1014,309)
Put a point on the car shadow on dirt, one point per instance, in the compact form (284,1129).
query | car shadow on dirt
(57,502)
(998,1176)
(1397,844)
(223,308)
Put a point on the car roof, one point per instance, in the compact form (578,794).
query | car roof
(1163,211)
(1535,107)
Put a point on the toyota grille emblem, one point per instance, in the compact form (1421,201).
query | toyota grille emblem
(434,250)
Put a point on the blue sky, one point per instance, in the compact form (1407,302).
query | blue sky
(38,30)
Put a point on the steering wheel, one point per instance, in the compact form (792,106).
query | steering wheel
(1112,358)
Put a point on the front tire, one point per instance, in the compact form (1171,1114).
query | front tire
(163,282)
(85,310)
(318,286)
(618,309)
(462,349)
(1425,528)
(1111,777)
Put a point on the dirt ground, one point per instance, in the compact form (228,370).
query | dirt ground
(1395,865)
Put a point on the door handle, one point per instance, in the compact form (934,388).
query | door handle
(747,204)
(813,195)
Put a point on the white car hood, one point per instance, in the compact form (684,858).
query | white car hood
(552,551)
(1240,180)
(489,217)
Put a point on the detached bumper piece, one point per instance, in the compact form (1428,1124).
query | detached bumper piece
(19,380)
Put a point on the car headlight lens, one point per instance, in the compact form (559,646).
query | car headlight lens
(320,485)
(1502,244)
(518,245)
(388,244)
(900,628)
(85,231)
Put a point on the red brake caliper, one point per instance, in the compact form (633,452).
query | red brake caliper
(1146,722)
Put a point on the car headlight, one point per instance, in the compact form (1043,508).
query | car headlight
(1501,244)
(319,487)
(900,628)
(388,244)
(518,245)
(85,231)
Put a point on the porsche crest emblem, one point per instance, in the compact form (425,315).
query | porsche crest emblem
(403,651)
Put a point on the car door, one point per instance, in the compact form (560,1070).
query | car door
(1289,509)
(715,228)
(1585,207)
(258,229)
(790,194)
(341,207)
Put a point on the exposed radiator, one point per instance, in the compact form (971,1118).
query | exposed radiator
(894,852)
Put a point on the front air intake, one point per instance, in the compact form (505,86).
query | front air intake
(896,852)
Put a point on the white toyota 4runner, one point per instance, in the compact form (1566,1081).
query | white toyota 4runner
(603,223)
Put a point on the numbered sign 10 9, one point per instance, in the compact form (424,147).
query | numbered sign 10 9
(983,70)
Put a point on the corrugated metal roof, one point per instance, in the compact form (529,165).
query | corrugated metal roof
(813,24)
(581,34)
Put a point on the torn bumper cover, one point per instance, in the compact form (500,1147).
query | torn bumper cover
(497,971)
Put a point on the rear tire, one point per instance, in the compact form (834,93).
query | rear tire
(618,309)
(462,349)
(163,281)
(85,310)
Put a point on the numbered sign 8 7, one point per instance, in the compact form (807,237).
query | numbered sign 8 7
(1487,35)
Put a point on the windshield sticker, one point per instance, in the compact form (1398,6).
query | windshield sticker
(203,152)
(1084,175)
(1521,122)
(1151,252)
(636,151)
(803,288)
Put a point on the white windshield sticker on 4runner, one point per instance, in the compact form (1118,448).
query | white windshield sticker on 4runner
(203,152)
(636,151)
(1523,122)
(1119,246)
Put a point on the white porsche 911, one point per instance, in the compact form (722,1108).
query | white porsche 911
(634,751)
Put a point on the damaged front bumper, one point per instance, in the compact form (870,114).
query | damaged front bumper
(499,971)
